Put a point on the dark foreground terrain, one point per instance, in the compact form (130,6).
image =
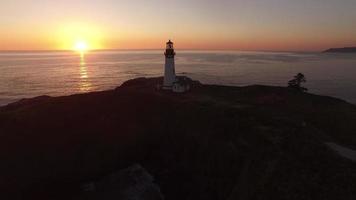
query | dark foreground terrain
(214,142)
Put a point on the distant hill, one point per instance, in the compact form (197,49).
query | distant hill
(341,50)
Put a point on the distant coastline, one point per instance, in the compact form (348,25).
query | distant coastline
(341,50)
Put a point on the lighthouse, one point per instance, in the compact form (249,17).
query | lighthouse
(177,84)
(169,67)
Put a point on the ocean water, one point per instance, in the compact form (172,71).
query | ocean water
(30,74)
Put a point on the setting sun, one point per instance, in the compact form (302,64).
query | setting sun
(79,37)
(81,46)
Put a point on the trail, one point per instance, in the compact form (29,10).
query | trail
(241,188)
(343,151)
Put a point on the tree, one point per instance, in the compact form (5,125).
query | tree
(296,82)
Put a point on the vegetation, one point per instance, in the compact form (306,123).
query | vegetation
(296,83)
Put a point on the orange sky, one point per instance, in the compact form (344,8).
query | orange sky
(197,24)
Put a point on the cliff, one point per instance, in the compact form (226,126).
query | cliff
(214,142)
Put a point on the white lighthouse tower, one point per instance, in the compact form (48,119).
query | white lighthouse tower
(169,68)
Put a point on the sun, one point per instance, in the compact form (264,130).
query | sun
(79,36)
(81,46)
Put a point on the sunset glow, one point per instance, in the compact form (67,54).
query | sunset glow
(230,24)
(78,37)
(81,46)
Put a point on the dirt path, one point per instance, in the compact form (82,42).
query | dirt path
(241,188)
(343,151)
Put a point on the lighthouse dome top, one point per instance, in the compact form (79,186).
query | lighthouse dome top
(170,45)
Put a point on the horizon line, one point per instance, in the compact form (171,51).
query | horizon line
(154,49)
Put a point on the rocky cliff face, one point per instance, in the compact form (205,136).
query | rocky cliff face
(214,142)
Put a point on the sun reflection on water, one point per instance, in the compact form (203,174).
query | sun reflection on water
(84,83)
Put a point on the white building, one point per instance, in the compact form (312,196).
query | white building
(171,81)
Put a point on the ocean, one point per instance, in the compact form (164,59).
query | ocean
(56,73)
